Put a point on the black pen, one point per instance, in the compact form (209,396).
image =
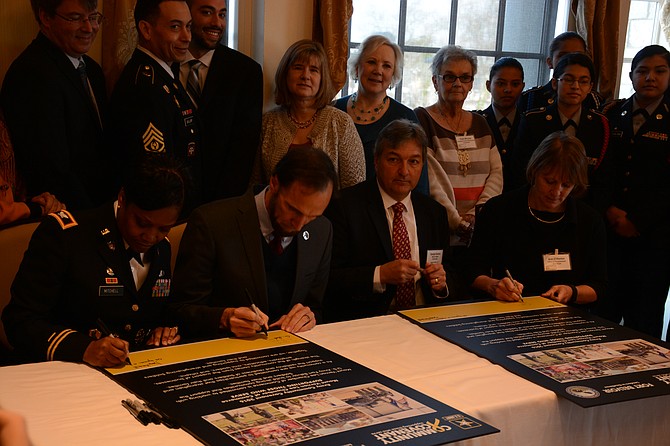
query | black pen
(264,328)
(105,332)
(509,276)
(128,404)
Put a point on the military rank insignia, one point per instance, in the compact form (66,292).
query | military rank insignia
(161,288)
(64,219)
(153,140)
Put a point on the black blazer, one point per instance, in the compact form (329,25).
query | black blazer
(230,113)
(361,241)
(221,256)
(504,147)
(74,273)
(54,126)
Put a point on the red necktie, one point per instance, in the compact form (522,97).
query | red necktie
(275,244)
(401,250)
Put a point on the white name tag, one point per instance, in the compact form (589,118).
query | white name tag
(465,142)
(557,261)
(434,256)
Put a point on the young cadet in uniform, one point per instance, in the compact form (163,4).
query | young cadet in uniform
(150,110)
(638,212)
(90,277)
(545,95)
(505,84)
(573,80)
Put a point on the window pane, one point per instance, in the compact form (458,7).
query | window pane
(523,26)
(417,86)
(428,23)
(375,17)
(531,69)
(476,24)
(479,98)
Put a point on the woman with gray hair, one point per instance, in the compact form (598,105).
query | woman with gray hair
(464,166)
(553,243)
(376,67)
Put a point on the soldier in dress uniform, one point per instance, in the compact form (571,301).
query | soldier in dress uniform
(150,110)
(92,286)
(505,84)
(545,95)
(573,80)
(638,210)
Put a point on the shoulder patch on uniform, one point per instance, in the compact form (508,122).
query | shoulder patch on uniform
(145,73)
(64,219)
(153,139)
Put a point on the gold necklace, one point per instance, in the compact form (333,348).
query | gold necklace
(545,221)
(376,110)
(302,124)
(458,125)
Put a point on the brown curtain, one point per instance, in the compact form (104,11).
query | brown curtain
(331,28)
(598,22)
(119,38)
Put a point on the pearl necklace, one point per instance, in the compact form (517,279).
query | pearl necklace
(302,124)
(376,110)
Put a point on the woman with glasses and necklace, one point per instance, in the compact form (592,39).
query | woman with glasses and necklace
(552,243)
(303,118)
(464,166)
(377,67)
(572,81)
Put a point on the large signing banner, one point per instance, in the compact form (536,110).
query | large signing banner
(577,355)
(283,390)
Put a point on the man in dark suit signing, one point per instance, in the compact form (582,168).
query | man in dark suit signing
(227,89)
(390,245)
(53,97)
(271,249)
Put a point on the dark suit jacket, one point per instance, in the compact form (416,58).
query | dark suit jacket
(73,274)
(362,241)
(54,126)
(230,113)
(504,147)
(221,256)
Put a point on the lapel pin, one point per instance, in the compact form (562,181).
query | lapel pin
(104,231)
(110,272)
(623,113)
(305,235)
(111,246)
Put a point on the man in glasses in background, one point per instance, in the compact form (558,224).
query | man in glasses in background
(53,98)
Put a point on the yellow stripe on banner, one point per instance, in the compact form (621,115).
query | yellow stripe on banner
(157,357)
(54,344)
(446,312)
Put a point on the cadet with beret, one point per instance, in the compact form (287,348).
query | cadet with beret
(150,110)
(110,264)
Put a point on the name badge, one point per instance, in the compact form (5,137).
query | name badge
(557,261)
(434,256)
(161,288)
(110,291)
(465,142)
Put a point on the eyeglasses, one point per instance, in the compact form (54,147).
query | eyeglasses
(94,19)
(582,81)
(450,78)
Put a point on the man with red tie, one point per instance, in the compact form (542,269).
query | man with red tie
(390,245)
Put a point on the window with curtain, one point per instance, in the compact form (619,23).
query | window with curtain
(491,28)
(644,28)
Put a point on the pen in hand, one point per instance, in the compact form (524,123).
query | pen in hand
(264,327)
(509,276)
(105,332)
